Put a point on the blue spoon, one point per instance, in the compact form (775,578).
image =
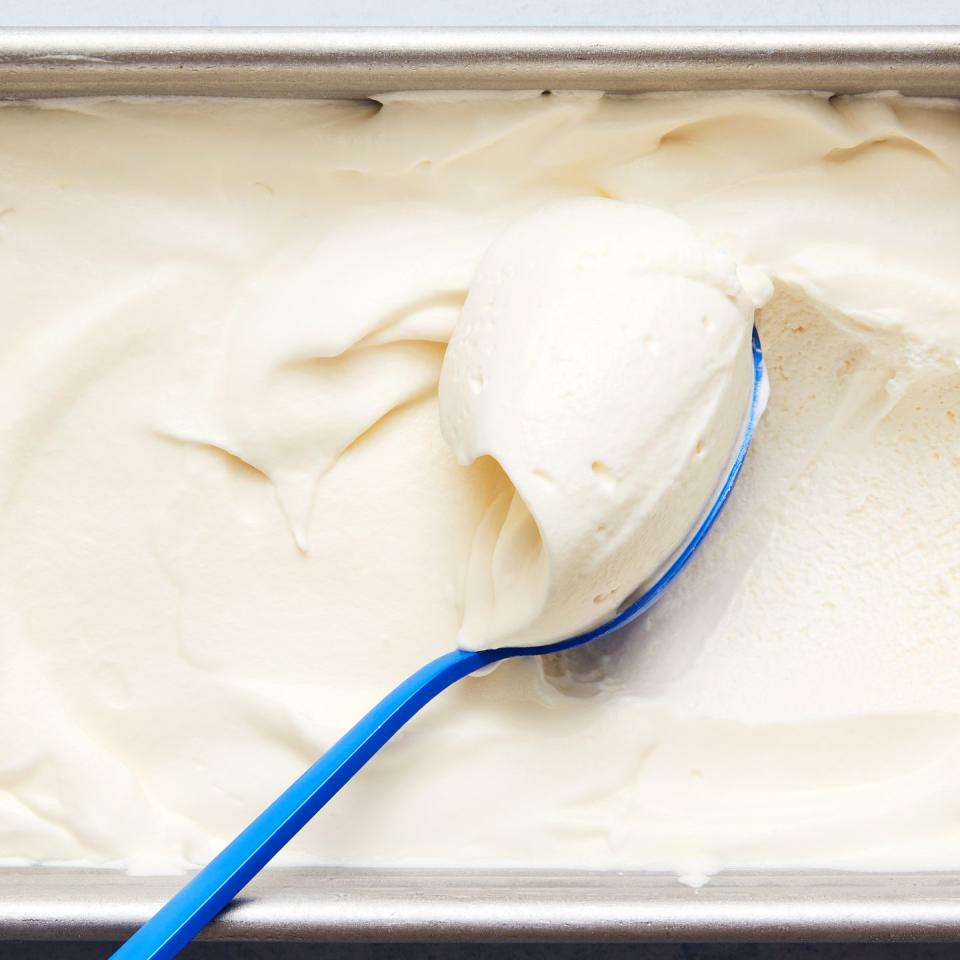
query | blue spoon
(190,910)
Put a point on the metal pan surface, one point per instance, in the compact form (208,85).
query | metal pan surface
(355,904)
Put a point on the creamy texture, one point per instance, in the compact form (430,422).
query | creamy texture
(603,359)
(229,521)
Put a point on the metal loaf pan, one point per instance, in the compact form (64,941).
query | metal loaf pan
(342,904)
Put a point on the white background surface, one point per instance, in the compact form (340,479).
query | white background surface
(475,12)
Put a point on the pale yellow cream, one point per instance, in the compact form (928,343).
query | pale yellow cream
(229,521)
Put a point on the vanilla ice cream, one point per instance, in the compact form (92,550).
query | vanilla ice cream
(603,359)
(230,520)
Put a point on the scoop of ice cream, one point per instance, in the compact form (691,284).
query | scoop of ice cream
(603,360)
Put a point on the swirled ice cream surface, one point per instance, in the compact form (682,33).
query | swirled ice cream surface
(247,485)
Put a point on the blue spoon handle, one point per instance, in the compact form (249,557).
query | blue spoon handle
(183,917)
